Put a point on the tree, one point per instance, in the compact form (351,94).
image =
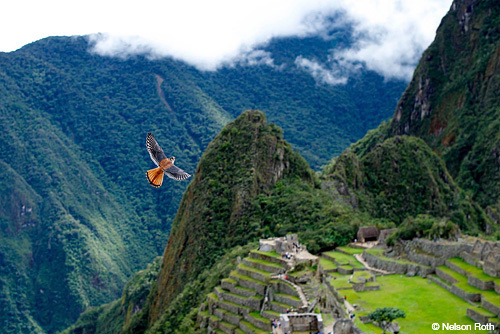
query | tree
(385,316)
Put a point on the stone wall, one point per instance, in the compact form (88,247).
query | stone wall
(435,253)
(334,302)
(255,275)
(260,288)
(262,266)
(285,300)
(474,297)
(283,287)
(476,316)
(396,267)
(345,270)
(285,244)
(259,256)
(363,287)
(302,322)
(490,307)
(480,284)
(265,325)
(267,245)
(344,326)
(456,268)
(471,259)
(444,276)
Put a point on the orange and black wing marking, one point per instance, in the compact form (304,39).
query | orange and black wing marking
(165,165)
(155,177)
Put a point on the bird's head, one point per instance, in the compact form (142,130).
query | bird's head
(172,159)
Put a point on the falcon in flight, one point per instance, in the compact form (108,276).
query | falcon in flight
(165,165)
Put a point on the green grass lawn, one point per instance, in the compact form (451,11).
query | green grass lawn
(345,259)
(327,264)
(270,254)
(424,303)
(357,274)
(473,270)
(339,281)
(248,268)
(350,250)
(264,262)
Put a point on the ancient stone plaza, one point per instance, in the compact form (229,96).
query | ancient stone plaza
(281,288)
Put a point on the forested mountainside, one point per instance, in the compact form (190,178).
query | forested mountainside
(453,104)
(426,171)
(77,217)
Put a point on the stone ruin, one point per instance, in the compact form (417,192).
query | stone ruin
(384,234)
(280,245)
(302,322)
(367,233)
(484,254)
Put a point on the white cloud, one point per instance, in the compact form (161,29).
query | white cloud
(331,76)
(390,34)
(208,34)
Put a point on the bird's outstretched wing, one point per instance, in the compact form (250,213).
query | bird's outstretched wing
(155,151)
(176,173)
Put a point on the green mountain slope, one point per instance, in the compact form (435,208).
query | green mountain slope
(401,178)
(249,184)
(453,103)
(245,159)
(436,161)
(77,216)
(63,232)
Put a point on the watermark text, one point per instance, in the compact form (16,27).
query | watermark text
(457,327)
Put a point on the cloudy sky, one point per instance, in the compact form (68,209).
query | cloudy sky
(389,34)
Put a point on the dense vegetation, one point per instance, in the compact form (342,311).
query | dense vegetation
(400,178)
(77,217)
(428,171)
(453,103)
(248,185)
(81,219)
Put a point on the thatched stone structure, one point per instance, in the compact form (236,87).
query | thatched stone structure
(367,233)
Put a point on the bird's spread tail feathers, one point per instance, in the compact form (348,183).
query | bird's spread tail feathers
(155,177)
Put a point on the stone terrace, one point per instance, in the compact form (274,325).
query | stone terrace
(463,268)
(251,297)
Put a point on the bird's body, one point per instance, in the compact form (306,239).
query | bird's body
(165,165)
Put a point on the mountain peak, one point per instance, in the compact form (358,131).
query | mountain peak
(248,157)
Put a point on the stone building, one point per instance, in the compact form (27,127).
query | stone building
(280,245)
(367,233)
(384,234)
(477,249)
(492,263)
(302,322)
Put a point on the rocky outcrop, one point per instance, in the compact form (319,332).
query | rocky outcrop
(449,88)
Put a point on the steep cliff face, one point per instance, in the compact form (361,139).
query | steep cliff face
(246,158)
(443,142)
(453,102)
(400,178)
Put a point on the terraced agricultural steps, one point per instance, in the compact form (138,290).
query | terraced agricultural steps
(251,297)
(470,283)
